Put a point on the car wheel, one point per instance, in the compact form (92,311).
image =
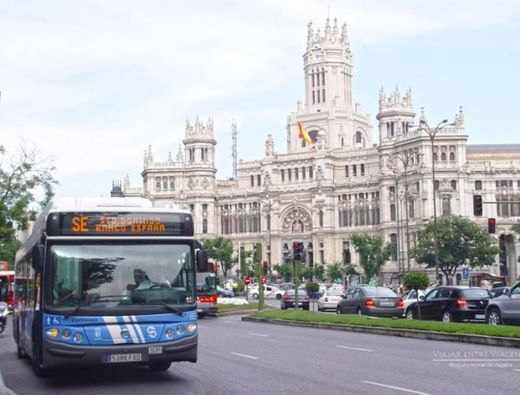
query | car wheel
(279,297)
(447,317)
(494,317)
(409,314)
(255,296)
(338,311)
(358,311)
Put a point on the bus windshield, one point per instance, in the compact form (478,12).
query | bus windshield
(118,276)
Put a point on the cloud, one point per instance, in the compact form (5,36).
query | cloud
(94,82)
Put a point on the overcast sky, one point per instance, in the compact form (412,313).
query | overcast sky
(92,83)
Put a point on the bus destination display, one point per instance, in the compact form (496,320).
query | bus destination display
(134,224)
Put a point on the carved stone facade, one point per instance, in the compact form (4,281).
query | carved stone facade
(342,183)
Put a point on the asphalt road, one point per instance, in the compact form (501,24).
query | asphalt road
(238,357)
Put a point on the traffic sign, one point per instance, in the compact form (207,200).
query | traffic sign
(247,280)
(465,273)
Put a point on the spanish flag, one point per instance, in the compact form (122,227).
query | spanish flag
(302,133)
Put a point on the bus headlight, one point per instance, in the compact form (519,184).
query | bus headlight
(66,333)
(180,329)
(170,332)
(192,328)
(53,332)
(78,337)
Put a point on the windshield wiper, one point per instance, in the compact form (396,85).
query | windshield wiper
(76,309)
(166,305)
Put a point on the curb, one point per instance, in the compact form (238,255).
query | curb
(409,333)
(3,389)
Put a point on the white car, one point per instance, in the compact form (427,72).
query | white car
(270,292)
(410,297)
(329,300)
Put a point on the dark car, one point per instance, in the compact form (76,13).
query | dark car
(451,303)
(288,299)
(368,300)
(505,309)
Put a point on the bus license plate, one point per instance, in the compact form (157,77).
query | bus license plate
(155,350)
(117,358)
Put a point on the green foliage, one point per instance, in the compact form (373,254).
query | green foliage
(416,280)
(220,249)
(319,272)
(312,287)
(516,228)
(372,253)
(26,186)
(335,271)
(459,241)
(285,270)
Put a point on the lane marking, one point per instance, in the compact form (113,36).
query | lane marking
(356,348)
(243,355)
(516,370)
(395,388)
(257,334)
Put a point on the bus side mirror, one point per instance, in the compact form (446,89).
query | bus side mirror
(202,260)
(37,256)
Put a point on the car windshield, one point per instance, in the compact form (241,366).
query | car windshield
(381,292)
(475,293)
(118,276)
(334,293)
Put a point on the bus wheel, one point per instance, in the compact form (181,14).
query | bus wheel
(162,366)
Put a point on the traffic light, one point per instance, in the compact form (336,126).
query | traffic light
(298,252)
(477,205)
(492,225)
(265,267)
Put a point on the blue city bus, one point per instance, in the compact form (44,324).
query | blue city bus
(107,281)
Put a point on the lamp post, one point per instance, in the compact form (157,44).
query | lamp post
(432,133)
(267,206)
(404,158)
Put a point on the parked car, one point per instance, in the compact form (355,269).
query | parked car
(451,303)
(410,297)
(288,299)
(329,300)
(224,292)
(270,292)
(505,309)
(368,300)
(497,291)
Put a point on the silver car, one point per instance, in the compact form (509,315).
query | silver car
(505,309)
(329,300)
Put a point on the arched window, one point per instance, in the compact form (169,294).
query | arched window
(359,138)
(204,226)
(443,156)
(478,185)
(453,185)
(452,155)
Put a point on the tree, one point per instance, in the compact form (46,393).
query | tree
(459,242)
(221,250)
(26,186)
(285,270)
(244,256)
(416,281)
(516,228)
(372,253)
(335,271)
(319,272)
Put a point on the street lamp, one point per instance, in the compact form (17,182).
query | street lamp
(404,157)
(432,133)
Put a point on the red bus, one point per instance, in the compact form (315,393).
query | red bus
(7,287)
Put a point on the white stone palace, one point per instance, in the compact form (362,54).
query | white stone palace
(344,182)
